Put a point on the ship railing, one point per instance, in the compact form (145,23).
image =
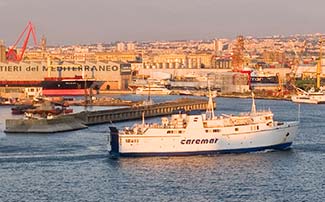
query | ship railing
(279,123)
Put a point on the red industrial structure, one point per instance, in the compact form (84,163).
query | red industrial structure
(12,54)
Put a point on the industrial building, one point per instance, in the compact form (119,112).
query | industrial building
(116,75)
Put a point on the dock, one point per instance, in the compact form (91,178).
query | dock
(124,114)
(85,118)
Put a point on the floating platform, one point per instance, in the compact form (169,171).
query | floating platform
(58,124)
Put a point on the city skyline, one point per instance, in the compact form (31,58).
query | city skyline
(100,21)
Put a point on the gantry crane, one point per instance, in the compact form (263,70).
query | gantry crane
(12,54)
(296,61)
(319,64)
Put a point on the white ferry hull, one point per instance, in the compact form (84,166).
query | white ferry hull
(309,99)
(138,92)
(152,91)
(278,138)
(306,101)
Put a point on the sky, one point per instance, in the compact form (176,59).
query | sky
(105,21)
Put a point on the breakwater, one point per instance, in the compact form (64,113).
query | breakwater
(82,119)
(124,114)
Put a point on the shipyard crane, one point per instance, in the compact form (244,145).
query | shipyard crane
(12,54)
(319,64)
(296,61)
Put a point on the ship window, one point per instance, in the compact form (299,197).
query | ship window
(206,131)
(258,127)
(180,132)
(169,131)
(216,130)
(236,129)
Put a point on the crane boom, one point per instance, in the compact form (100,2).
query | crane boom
(319,64)
(12,53)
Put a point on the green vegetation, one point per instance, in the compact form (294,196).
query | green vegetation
(306,84)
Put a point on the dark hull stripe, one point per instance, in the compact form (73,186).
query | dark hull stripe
(73,84)
(244,150)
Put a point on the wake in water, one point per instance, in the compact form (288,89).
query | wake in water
(51,157)
(312,148)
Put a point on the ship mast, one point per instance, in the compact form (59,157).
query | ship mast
(210,108)
(143,123)
(253,110)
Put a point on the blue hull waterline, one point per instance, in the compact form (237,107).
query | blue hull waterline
(243,150)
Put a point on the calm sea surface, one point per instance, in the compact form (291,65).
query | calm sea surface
(75,166)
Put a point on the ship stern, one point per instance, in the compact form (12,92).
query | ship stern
(114,142)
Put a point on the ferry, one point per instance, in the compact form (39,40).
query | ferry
(153,90)
(310,97)
(196,133)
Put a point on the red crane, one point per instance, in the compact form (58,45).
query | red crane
(12,55)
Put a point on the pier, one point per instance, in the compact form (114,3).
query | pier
(124,114)
(83,119)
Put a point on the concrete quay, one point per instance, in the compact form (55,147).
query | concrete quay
(124,114)
(81,120)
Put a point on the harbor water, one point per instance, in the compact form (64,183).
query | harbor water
(75,166)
